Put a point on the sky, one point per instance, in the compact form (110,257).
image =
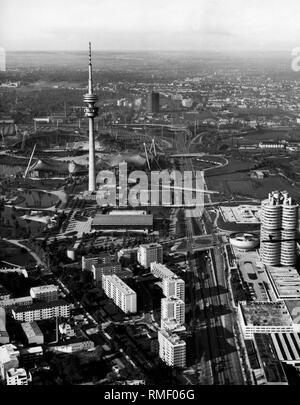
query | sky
(200,25)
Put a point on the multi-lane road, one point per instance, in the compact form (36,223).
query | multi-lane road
(211,294)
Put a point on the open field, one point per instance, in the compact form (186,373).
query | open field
(15,255)
(267,135)
(233,181)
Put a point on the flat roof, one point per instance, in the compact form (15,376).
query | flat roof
(127,212)
(150,245)
(44,288)
(72,340)
(285,281)
(31,350)
(31,329)
(242,214)
(123,220)
(254,274)
(41,305)
(266,314)
(15,301)
(287,346)
(271,364)
(123,287)
(293,308)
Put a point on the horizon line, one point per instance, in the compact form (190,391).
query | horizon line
(153,50)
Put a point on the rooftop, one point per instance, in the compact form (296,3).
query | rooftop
(293,307)
(272,366)
(41,305)
(173,299)
(69,341)
(123,287)
(150,245)
(31,350)
(17,372)
(123,220)
(266,314)
(31,329)
(162,268)
(287,346)
(172,338)
(285,281)
(15,301)
(7,353)
(243,214)
(127,212)
(44,288)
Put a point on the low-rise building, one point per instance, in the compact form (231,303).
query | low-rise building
(10,303)
(272,370)
(31,356)
(18,376)
(285,282)
(123,222)
(72,345)
(4,294)
(42,310)
(4,337)
(33,333)
(44,292)
(150,253)
(9,358)
(266,317)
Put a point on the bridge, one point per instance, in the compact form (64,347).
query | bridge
(195,243)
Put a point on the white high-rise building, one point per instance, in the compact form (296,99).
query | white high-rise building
(172,350)
(173,308)
(279,222)
(149,253)
(122,295)
(174,287)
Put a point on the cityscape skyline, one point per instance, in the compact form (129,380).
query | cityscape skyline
(149,203)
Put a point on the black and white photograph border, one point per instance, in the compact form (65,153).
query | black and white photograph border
(149,196)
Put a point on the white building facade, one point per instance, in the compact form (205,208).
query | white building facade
(172,350)
(122,295)
(149,253)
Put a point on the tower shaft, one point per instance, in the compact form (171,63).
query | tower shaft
(91,112)
(92,174)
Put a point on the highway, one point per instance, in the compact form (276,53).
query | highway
(210,292)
